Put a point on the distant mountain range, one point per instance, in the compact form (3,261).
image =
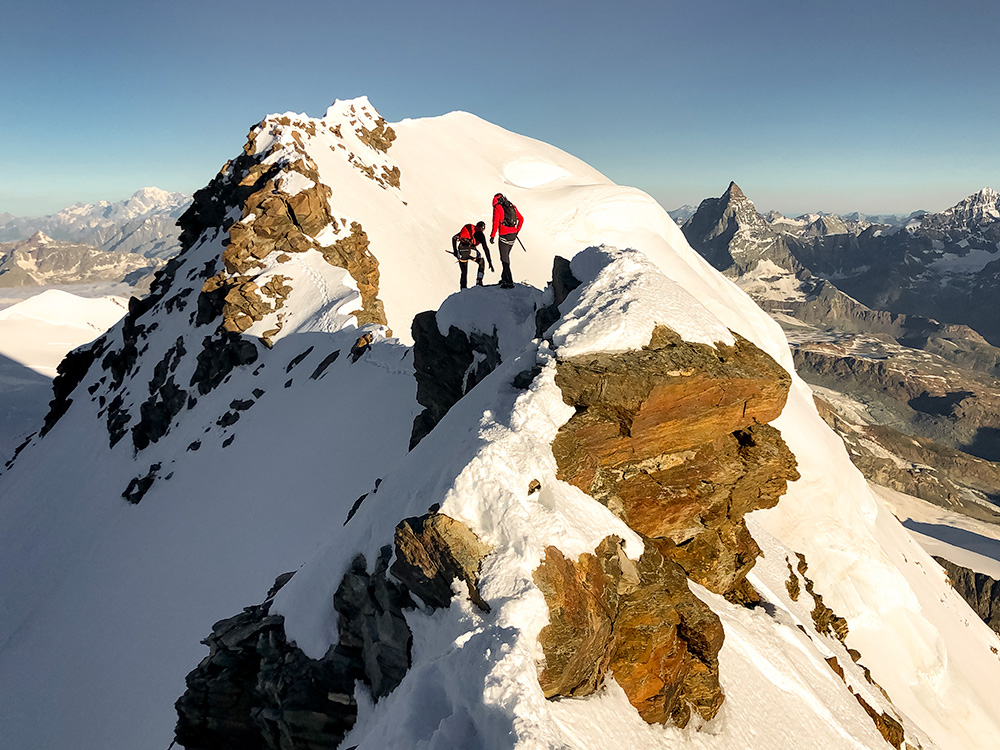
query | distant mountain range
(145,223)
(43,261)
(809,222)
(916,389)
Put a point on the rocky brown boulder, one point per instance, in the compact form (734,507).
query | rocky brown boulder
(432,551)
(636,620)
(673,439)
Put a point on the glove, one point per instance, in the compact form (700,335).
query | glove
(491,240)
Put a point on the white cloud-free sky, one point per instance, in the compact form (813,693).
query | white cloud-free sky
(883,106)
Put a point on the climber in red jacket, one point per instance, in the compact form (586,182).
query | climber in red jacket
(508,221)
(465,247)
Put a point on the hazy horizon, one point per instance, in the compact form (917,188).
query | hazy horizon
(879,108)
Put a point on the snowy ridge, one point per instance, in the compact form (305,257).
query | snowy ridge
(256,476)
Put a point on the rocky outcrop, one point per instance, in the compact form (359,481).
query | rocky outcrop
(69,374)
(563,282)
(446,368)
(277,221)
(434,550)
(257,691)
(978,589)
(638,621)
(825,620)
(673,439)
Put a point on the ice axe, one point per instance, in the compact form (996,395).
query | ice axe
(522,245)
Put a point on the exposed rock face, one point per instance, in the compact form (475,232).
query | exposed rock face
(730,234)
(279,222)
(773,266)
(941,266)
(673,439)
(638,621)
(825,620)
(446,368)
(434,550)
(563,282)
(979,590)
(255,690)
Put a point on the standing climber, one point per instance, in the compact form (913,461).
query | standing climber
(465,247)
(508,221)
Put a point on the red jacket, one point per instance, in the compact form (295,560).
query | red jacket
(498,218)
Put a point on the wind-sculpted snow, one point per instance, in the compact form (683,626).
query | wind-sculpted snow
(104,602)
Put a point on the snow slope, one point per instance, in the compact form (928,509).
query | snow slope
(103,603)
(35,335)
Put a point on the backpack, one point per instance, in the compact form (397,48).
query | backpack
(467,236)
(509,212)
(466,242)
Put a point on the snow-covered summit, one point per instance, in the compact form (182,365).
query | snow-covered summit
(253,417)
(983,206)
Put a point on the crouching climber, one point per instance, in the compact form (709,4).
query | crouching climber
(465,247)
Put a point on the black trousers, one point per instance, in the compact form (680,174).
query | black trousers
(506,244)
(463,280)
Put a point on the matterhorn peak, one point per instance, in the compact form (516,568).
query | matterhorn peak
(733,193)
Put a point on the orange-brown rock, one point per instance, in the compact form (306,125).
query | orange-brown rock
(673,440)
(637,621)
(433,550)
(276,222)
(670,396)
(352,253)
(890,729)
(379,138)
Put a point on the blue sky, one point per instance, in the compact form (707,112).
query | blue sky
(877,106)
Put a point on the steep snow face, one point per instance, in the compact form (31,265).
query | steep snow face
(104,601)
